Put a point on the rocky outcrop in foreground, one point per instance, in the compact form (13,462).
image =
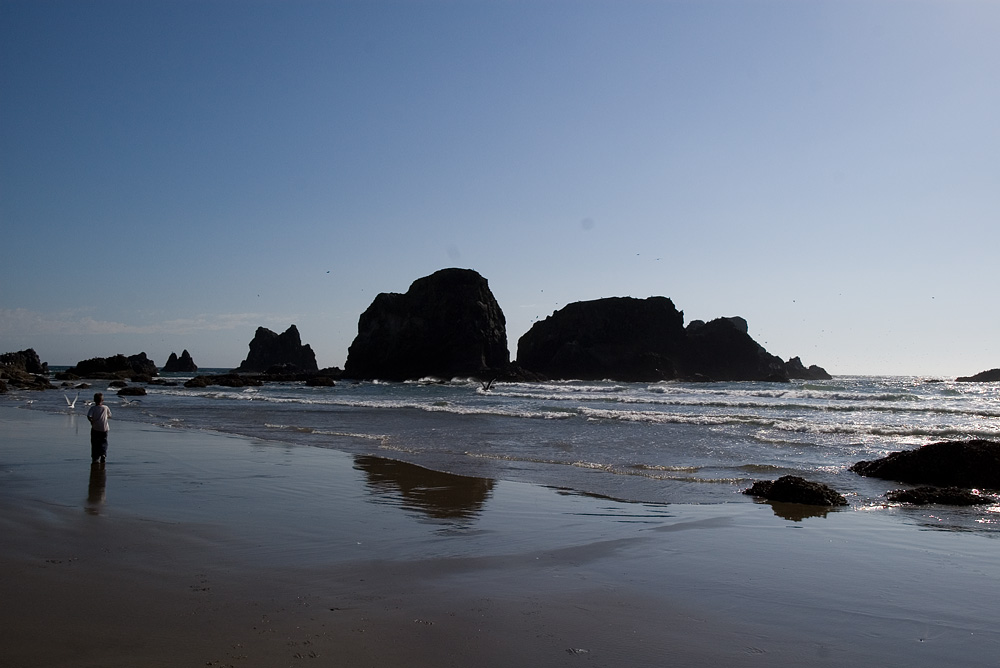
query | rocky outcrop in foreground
(949,496)
(135,367)
(793,489)
(645,340)
(286,350)
(182,364)
(967,464)
(447,324)
(991,376)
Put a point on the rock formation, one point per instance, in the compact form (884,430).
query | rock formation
(117,366)
(723,350)
(26,361)
(286,349)
(947,496)
(447,324)
(793,489)
(794,368)
(183,364)
(23,370)
(643,340)
(617,337)
(224,380)
(991,376)
(969,464)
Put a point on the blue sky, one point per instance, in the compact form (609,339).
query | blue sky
(174,174)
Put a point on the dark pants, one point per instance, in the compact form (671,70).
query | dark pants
(98,444)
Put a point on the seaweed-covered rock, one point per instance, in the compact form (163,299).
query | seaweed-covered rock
(268,349)
(949,496)
(967,464)
(447,324)
(793,489)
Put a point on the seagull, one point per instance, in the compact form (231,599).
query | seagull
(72,404)
(130,402)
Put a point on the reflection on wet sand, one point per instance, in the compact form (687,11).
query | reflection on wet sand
(797,512)
(439,495)
(96,489)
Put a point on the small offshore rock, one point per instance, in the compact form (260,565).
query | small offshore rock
(793,489)
(132,391)
(225,380)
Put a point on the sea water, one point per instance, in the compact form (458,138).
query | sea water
(654,443)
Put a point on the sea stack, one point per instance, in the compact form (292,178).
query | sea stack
(286,350)
(183,364)
(447,324)
(643,340)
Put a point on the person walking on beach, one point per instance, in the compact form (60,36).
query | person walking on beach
(98,416)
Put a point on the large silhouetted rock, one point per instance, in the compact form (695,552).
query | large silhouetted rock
(286,349)
(971,464)
(617,337)
(447,324)
(628,339)
(182,364)
(117,366)
(723,350)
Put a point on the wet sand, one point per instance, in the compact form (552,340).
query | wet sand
(198,549)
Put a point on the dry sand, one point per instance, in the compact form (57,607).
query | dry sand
(197,549)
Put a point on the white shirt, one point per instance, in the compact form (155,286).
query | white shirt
(99,414)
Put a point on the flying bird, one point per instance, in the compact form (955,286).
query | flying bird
(130,402)
(72,404)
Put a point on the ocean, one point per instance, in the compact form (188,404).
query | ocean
(659,443)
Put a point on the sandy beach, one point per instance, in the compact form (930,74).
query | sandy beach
(198,549)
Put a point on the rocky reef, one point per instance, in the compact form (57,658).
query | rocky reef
(948,496)
(447,324)
(966,464)
(182,364)
(286,350)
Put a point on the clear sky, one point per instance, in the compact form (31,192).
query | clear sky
(175,174)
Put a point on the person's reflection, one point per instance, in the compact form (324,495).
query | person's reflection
(96,488)
(439,495)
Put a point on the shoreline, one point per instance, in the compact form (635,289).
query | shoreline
(197,548)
